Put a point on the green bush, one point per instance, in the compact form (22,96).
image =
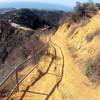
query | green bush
(88,68)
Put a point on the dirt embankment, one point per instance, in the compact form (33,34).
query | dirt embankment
(81,61)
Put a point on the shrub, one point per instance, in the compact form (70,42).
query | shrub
(96,67)
(88,68)
(90,36)
(83,11)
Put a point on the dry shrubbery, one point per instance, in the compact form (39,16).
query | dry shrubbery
(83,11)
(92,68)
(88,67)
(90,36)
(96,67)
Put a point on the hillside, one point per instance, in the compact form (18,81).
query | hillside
(34,18)
(76,82)
(4,10)
(17,43)
(84,46)
(45,55)
(79,82)
(17,29)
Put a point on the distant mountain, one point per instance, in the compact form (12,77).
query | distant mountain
(4,10)
(34,18)
(34,5)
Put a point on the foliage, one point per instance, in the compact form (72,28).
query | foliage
(83,11)
(34,18)
(88,67)
(91,36)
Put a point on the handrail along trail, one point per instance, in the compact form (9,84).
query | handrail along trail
(57,84)
(15,70)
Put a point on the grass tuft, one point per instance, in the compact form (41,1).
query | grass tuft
(88,68)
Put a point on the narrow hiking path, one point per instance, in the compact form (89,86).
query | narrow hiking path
(74,85)
(41,83)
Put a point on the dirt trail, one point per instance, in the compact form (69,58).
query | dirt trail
(74,85)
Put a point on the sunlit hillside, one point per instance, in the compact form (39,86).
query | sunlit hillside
(50,55)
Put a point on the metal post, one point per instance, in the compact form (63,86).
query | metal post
(37,61)
(17,81)
(44,37)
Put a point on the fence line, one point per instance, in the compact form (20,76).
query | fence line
(62,71)
(15,72)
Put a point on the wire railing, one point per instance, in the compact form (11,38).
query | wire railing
(62,70)
(19,73)
(10,82)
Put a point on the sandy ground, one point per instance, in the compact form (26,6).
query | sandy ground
(74,86)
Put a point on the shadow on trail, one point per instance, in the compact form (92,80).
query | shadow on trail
(39,77)
(45,73)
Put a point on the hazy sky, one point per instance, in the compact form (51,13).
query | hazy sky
(60,2)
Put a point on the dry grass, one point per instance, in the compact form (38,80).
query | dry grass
(88,67)
(96,68)
(90,36)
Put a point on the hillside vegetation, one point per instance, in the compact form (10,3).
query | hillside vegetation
(81,76)
(34,18)
(84,47)
(17,29)
(73,53)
